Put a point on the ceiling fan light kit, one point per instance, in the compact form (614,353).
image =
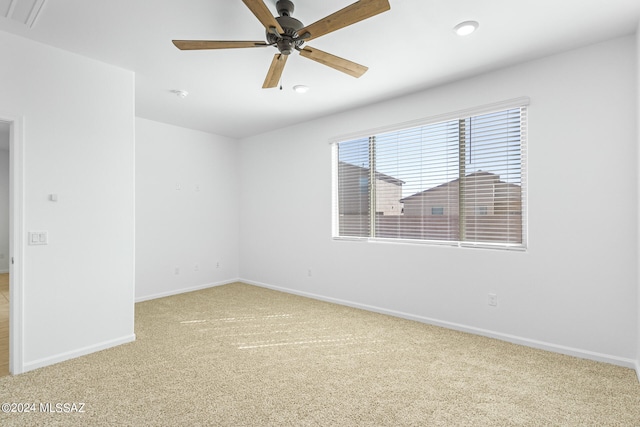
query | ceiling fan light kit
(288,34)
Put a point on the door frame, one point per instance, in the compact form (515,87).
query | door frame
(16,242)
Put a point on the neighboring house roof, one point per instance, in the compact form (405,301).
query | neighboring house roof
(379,175)
(477,174)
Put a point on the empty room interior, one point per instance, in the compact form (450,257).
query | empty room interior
(402,212)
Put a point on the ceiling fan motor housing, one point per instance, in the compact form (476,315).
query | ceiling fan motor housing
(287,41)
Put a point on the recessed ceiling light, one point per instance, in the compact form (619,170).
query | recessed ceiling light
(180,93)
(465,28)
(301,88)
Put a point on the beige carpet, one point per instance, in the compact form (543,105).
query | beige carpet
(239,355)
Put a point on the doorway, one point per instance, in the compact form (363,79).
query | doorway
(11,341)
(5,232)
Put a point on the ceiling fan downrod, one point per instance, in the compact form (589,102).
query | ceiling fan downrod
(285,7)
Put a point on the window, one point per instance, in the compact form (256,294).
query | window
(457,181)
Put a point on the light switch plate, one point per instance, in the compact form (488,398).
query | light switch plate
(38,238)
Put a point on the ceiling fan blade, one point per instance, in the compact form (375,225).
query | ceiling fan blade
(215,44)
(351,14)
(275,71)
(261,11)
(340,64)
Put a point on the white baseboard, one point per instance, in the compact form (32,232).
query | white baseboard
(40,363)
(3,271)
(184,290)
(576,352)
(638,369)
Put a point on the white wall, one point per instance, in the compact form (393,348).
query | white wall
(4,209)
(78,115)
(196,224)
(574,290)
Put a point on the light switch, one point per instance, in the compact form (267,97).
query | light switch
(38,238)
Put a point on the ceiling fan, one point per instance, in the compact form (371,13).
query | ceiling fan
(288,34)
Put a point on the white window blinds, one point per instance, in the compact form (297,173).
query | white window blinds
(354,194)
(458,181)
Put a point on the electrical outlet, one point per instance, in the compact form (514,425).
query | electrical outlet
(196,267)
(493,300)
(309,273)
(176,270)
(218,264)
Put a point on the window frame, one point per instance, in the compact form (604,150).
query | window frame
(522,103)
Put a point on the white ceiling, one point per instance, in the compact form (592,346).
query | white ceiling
(408,48)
